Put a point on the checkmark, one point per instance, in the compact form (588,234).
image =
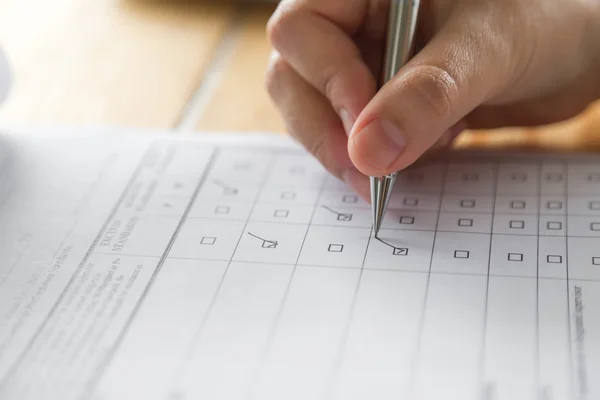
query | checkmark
(267,244)
(399,251)
(344,217)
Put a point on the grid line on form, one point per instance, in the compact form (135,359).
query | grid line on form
(572,368)
(416,356)
(537,281)
(339,359)
(495,180)
(198,334)
(273,329)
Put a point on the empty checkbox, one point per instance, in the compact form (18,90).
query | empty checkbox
(461,254)
(554,205)
(467,203)
(515,257)
(518,205)
(399,251)
(596,260)
(517,224)
(288,195)
(208,241)
(519,177)
(407,220)
(471,177)
(350,199)
(594,177)
(595,226)
(281,213)
(411,201)
(554,225)
(269,244)
(336,248)
(465,222)
(344,217)
(553,259)
(222,210)
(595,205)
(554,177)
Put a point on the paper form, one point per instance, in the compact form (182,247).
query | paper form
(170,268)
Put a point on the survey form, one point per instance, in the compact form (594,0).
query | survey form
(163,267)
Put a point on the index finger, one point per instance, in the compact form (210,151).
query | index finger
(315,38)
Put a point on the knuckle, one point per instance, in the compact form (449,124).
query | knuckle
(278,23)
(275,72)
(435,87)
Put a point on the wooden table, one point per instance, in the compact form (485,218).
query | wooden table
(173,64)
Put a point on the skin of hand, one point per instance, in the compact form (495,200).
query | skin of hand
(478,64)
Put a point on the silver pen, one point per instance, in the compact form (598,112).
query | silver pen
(400,44)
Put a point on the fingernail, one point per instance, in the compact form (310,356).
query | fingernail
(347,121)
(383,143)
(357,182)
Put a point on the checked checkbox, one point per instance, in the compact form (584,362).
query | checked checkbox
(400,251)
(344,217)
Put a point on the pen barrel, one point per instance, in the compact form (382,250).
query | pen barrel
(401,36)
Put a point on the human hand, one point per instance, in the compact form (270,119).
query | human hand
(479,64)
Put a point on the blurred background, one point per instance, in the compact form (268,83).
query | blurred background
(186,65)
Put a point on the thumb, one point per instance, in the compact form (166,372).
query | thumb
(456,72)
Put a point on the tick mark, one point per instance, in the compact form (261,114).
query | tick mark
(227,190)
(266,244)
(397,251)
(344,217)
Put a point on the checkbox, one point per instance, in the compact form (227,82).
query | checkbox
(518,257)
(465,222)
(554,225)
(399,251)
(596,260)
(471,177)
(518,205)
(281,213)
(519,177)
(517,224)
(336,248)
(467,203)
(594,177)
(407,220)
(269,244)
(595,205)
(553,259)
(288,195)
(209,241)
(461,254)
(344,217)
(554,205)
(411,201)
(350,199)
(595,226)
(222,210)
(554,177)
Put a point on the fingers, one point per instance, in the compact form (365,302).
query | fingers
(315,38)
(313,123)
(456,72)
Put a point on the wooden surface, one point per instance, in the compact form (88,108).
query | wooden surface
(174,64)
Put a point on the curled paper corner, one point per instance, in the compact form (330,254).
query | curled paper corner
(5,76)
